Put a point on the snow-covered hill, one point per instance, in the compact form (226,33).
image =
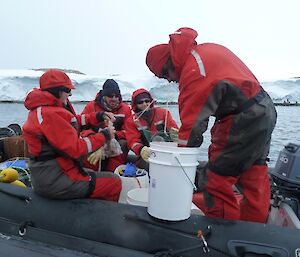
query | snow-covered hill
(14,84)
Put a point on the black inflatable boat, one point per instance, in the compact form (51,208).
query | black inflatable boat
(86,227)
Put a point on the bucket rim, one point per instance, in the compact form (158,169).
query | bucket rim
(171,145)
(182,150)
(164,146)
(165,163)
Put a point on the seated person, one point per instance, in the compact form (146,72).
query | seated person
(109,99)
(155,123)
(52,135)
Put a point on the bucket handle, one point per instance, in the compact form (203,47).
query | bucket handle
(195,188)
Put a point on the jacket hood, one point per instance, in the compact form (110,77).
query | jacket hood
(135,94)
(157,56)
(36,98)
(55,78)
(181,43)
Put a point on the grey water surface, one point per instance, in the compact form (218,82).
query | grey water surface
(286,130)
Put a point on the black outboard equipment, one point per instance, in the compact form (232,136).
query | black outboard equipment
(287,167)
(11,130)
(7,132)
(285,178)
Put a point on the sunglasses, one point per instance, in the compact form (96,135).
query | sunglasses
(66,90)
(144,101)
(113,95)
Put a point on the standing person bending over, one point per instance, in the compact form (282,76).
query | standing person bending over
(109,99)
(215,82)
(154,120)
(52,134)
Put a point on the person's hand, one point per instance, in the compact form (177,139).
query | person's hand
(96,156)
(108,132)
(145,153)
(106,117)
(112,131)
(110,117)
(174,134)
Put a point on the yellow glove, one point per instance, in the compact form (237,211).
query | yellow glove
(174,134)
(145,153)
(96,156)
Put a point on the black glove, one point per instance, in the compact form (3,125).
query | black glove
(106,133)
(100,116)
(201,176)
(119,123)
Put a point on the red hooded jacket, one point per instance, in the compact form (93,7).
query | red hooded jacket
(159,116)
(52,130)
(124,125)
(213,81)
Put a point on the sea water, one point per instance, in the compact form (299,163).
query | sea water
(287,128)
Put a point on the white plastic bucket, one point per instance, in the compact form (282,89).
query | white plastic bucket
(172,174)
(138,196)
(129,183)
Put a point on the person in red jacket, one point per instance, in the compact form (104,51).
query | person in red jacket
(213,81)
(51,132)
(109,99)
(156,121)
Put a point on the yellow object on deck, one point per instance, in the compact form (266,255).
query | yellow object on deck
(18,183)
(9,175)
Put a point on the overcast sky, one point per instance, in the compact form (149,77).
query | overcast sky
(102,37)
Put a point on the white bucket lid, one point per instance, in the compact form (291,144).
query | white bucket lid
(138,196)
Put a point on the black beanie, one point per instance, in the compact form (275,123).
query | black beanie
(110,87)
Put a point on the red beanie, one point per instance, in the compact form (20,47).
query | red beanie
(55,78)
(157,57)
